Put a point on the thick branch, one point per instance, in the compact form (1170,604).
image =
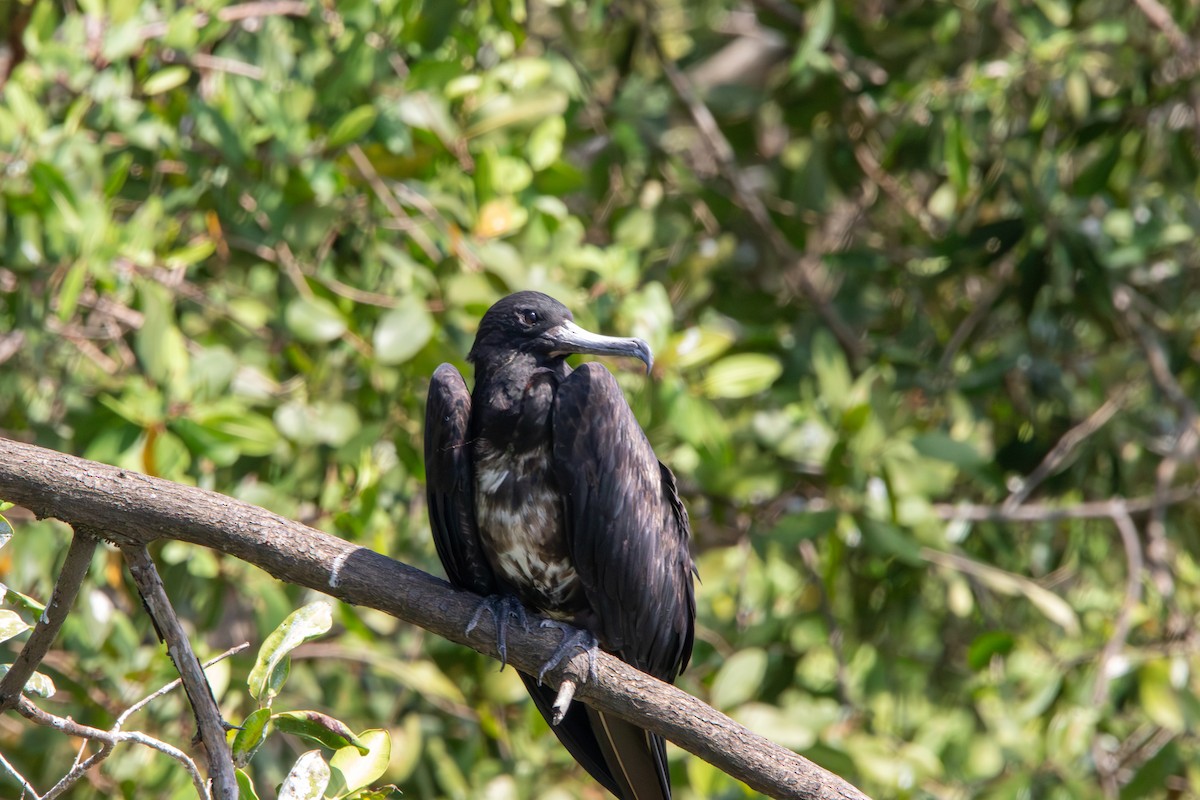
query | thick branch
(135,509)
(75,567)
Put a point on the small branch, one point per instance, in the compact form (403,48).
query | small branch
(369,173)
(1158,14)
(1044,512)
(26,786)
(80,768)
(1064,447)
(72,728)
(211,728)
(75,567)
(1002,272)
(82,765)
(1133,596)
(1106,766)
(1158,549)
(134,509)
(145,701)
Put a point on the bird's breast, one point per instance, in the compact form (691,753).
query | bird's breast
(519,513)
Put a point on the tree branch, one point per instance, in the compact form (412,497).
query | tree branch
(79,558)
(110,739)
(133,509)
(210,727)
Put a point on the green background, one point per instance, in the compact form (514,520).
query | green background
(945,238)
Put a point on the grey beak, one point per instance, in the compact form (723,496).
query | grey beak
(569,338)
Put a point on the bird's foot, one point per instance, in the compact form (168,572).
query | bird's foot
(573,639)
(502,607)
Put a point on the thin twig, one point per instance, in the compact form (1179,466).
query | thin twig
(1133,596)
(1158,549)
(1065,446)
(385,195)
(72,728)
(1045,512)
(1158,14)
(75,567)
(210,725)
(140,704)
(26,786)
(981,306)
(808,555)
(1106,765)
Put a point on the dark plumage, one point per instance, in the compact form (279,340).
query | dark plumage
(543,487)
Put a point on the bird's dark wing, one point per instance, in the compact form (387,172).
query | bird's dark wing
(627,533)
(449,483)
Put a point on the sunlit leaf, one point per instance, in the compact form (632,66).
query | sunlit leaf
(403,331)
(314,319)
(12,625)
(352,126)
(273,662)
(740,678)
(307,779)
(742,375)
(354,769)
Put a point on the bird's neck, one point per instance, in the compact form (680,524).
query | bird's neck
(513,396)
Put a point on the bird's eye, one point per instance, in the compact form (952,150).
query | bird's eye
(528,317)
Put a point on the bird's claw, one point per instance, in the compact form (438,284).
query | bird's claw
(573,638)
(501,607)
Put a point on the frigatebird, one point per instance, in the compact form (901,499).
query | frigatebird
(545,494)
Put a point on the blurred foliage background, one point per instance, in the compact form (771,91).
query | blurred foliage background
(921,279)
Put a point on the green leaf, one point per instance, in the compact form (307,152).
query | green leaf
(888,539)
(245,786)
(271,668)
(38,684)
(165,80)
(314,319)
(352,126)
(11,625)
(250,737)
(987,645)
(545,142)
(740,678)
(13,597)
(635,230)
(160,344)
(403,331)
(834,380)
(354,770)
(318,728)
(1158,696)
(739,376)
(307,779)
(940,446)
(320,423)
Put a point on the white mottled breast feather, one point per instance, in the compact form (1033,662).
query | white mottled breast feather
(520,518)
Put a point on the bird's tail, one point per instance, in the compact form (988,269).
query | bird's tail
(637,759)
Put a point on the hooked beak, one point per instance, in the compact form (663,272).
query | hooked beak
(569,338)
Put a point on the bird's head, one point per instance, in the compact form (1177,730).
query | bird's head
(538,325)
